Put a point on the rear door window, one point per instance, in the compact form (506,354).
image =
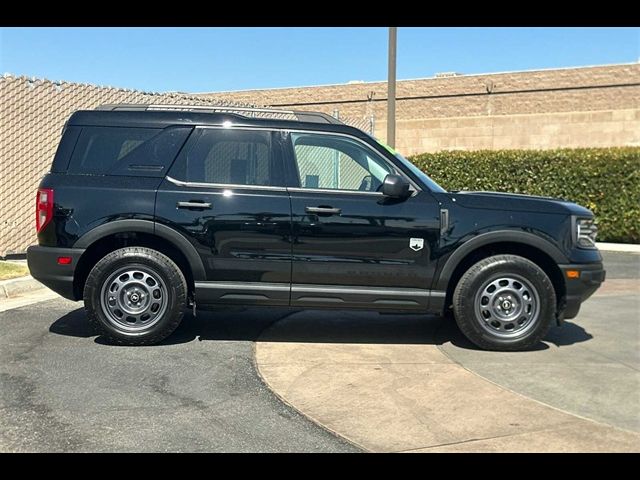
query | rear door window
(229,157)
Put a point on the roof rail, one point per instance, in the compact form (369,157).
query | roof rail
(248,112)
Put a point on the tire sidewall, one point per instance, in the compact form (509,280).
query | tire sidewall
(132,257)
(467,317)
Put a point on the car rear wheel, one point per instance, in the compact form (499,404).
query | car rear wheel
(504,302)
(135,296)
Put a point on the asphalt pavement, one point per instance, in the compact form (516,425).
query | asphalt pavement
(62,389)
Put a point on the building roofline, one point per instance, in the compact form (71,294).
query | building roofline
(247,90)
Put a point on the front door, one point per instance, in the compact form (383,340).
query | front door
(225,193)
(352,246)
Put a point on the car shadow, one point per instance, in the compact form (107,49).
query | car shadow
(315,326)
(568,334)
(450,333)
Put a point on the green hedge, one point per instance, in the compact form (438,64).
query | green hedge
(605,180)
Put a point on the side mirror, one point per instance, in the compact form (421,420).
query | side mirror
(395,186)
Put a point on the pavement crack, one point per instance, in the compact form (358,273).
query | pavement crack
(160,385)
(493,437)
(29,424)
(612,360)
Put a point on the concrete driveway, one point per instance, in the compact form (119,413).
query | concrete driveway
(589,367)
(413,383)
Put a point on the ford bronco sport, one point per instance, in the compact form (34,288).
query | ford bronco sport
(151,209)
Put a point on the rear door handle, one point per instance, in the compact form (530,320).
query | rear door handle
(323,210)
(203,205)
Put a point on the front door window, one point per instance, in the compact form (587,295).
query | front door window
(334,162)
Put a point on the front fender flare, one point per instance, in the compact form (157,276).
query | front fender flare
(488,238)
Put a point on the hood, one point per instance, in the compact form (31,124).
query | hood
(517,202)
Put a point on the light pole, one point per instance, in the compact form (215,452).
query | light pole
(391,89)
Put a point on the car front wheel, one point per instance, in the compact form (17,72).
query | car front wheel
(504,302)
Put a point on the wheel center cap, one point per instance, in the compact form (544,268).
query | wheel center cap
(506,305)
(135,297)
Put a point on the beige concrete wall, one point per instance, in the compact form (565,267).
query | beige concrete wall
(568,89)
(602,128)
(571,107)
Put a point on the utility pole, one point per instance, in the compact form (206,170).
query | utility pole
(391,89)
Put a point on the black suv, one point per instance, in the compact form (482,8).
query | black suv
(150,209)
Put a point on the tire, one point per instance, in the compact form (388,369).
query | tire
(504,303)
(135,296)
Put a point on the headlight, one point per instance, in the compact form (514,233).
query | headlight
(586,231)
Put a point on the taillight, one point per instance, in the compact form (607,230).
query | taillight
(44,208)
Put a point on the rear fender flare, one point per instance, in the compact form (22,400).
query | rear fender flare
(147,226)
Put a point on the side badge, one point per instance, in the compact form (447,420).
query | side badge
(416,243)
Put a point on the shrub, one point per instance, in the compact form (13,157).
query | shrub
(605,180)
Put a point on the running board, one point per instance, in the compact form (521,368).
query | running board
(375,298)
(318,296)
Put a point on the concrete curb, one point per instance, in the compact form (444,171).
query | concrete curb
(17,286)
(619,247)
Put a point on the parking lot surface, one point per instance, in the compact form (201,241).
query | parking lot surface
(385,382)
(63,389)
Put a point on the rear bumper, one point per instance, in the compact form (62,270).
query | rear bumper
(44,267)
(591,276)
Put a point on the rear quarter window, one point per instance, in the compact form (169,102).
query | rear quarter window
(126,151)
(65,149)
(99,148)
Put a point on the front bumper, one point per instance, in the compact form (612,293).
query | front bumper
(591,276)
(44,267)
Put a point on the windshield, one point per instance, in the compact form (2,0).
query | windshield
(433,186)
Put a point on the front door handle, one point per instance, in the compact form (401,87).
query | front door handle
(323,210)
(203,205)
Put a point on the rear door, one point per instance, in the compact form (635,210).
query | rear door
(226,194)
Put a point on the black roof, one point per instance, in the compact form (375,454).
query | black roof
(158,117)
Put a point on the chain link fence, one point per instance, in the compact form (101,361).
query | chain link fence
(32,114)
(366,123)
